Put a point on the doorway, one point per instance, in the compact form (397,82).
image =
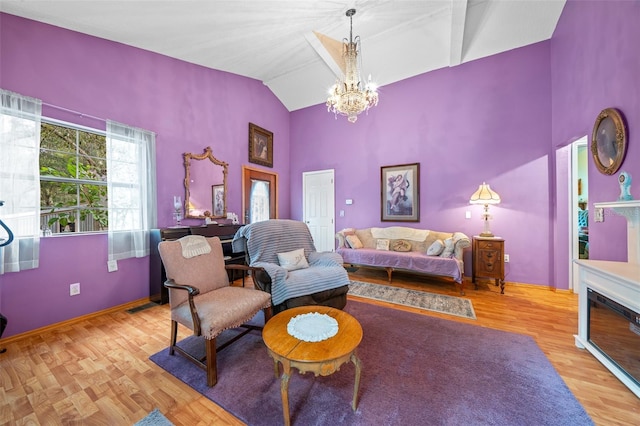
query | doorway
(578,206)
(259,195)
(318,193)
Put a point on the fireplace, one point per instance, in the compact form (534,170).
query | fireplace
(614,330)
(609,303)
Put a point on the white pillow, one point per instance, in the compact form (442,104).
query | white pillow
(448,248)
(436,248)
(293,260)
(382,244)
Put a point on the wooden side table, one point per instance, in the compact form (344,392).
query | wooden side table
(488,260)
(321,358)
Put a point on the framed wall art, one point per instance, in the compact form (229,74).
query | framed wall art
(217,195)
(609,141)
(260,146)
(400,193)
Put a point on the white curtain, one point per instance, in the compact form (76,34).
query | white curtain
(20,118)
(131,180)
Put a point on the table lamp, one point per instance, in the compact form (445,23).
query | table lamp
(485,195)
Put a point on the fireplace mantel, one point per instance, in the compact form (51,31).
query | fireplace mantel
(631,211)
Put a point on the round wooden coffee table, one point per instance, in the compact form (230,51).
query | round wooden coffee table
(321,358)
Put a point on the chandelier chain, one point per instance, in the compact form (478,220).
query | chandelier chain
(350,14)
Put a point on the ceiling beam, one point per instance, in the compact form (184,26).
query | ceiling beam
(329,50)
(458,19)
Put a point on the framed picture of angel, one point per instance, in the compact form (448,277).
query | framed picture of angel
(400,193)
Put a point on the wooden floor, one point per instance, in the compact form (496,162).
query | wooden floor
(97,371)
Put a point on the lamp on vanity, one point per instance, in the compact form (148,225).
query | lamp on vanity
(485,195)
(177,209)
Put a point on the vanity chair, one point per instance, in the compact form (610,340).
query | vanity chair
(284,262)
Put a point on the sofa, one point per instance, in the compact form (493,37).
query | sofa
(399,248)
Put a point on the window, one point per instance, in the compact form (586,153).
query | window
(73,179)
(259,201)
(65,167)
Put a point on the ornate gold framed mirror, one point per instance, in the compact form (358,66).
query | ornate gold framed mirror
(609,141)
(205,184)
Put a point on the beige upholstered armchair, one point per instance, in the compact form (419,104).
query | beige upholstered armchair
(201,298)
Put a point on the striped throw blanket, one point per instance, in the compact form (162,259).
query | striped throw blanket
(262,241)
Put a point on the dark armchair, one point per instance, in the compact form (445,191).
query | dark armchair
(271,246)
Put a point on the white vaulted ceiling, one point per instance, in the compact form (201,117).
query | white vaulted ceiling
(271,41)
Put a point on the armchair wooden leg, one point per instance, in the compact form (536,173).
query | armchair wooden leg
(268,313)
(174,336)
(211,364)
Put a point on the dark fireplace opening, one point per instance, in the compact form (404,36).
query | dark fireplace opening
(614,330)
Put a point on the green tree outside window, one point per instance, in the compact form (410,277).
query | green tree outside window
(73,175)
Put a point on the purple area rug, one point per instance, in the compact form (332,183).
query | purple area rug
(416,370)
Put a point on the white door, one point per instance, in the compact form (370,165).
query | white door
(319,207)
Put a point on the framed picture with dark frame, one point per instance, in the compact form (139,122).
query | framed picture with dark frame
(400,193)
(260,146)
(217,195)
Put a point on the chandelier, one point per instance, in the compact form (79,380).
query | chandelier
(348,97)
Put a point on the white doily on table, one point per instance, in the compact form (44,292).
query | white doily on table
(312,327)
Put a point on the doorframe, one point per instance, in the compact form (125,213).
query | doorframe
(574,246)
(245,185)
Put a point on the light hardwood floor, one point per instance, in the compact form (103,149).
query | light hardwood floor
(96,371)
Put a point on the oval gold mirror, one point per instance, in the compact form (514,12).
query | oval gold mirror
(609,141)
(205,185)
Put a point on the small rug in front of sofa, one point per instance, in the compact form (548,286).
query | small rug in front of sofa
(441,303)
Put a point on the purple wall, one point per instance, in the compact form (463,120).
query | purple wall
(487,120)
(188,106)
(595,65)
(503,119)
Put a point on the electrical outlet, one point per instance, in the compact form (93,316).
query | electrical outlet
(506,258)
(112,265)
(74,289)
(599,214)
(467,214)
